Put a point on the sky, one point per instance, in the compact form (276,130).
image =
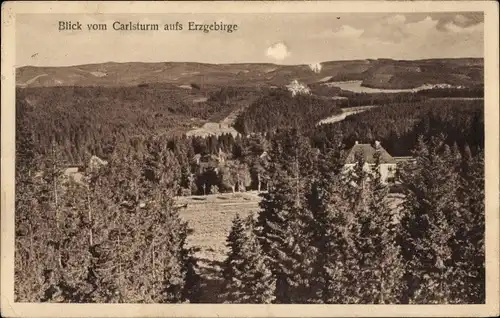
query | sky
(281,38)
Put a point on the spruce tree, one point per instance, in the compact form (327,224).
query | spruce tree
(468,241)
(361,259)
(427,223)
(27,285)
(139,252)
(285,223)
(327,170)
(50,196)
(381,265)
(247,276)
(342,264)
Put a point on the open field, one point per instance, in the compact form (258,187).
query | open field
(210,219)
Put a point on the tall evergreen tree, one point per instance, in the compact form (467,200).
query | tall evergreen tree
(247,276)
(342,263)
(381,265)
(328,165)
(285,223)
(139,252)
(468,241)
(427,222)
(360,256)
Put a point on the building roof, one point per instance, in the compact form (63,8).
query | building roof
(368,152)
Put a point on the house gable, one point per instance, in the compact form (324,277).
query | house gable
(368,153)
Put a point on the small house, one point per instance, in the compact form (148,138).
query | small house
(387,163)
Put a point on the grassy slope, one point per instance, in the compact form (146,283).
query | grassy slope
(210,217)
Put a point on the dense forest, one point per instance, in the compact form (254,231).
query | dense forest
(279,109)
(398,125)
(85,121)
(78,131)
(321,235)
(354,99)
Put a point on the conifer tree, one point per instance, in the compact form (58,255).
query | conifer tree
(427,222)
(342,263)
(138,248)
(362,262)
(109,229)
(285,223)
(327,170)
(50,192)
(381,266)
(27,285)
(468,241)
(75,248)
(247,276)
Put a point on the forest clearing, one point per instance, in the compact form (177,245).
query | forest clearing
(210,217)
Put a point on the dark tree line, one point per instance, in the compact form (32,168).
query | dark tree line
(398,120)
(114,237)
(336,238)
(279,109)
(84,121)
(472,92)
(398,126)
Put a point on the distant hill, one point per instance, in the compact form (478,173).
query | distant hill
(392,74)
(280,109)
(380,73)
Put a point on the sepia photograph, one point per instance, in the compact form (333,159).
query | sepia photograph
(253,153)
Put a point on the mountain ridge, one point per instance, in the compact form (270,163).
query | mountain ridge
(376,73)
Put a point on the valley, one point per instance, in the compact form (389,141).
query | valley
(216,134)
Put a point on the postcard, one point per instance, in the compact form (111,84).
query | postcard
(250,159)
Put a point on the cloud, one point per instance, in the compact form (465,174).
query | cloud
(278,51)
(421,27)
(344,31)
(395,19)
(461,19)
(348,31)
(454,28)
(316,67)
(396,29)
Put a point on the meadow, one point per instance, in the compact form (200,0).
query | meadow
(209,217)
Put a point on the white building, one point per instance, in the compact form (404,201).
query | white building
(387,162)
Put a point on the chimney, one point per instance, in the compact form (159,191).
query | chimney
(377,144)
(356,142)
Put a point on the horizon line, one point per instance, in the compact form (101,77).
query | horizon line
(239,63)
